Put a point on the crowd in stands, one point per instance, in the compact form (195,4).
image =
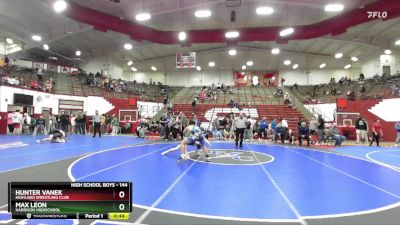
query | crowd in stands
(212,93)
(374,87)
(7,78)
(145,91)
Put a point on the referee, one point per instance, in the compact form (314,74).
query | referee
(96,124)
(240,125)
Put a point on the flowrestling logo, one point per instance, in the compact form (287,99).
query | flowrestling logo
(12,145)
(377,14)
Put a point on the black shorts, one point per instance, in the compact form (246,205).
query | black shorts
(313,132)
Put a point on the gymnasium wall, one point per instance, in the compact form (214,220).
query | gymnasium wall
(374,65)
(104,63)
(46,100)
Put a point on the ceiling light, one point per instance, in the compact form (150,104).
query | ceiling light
(348,66)
(250,63)
(153,68)
(244,67)
(36,37)
(232,34)
(128,46)
(275,51)
(323,65)
(198,68)
(59,6)
(264,10)
(334,7)
(203,13)
(9,41)
(78,53)
(295,66)
(397,42)
(182,36)
(338,55)
(130,63)
(211,64)
(143,16)
(354,59)
(46,46)
(232,52)
(388,52)
(287,62)
(133,69)
(286,32)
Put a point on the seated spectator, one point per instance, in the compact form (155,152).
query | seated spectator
(232,103)
(332,81)
(304,133)
(48,86)
(280,133)
(333,91)
(279,92)
(22,82)
(334,134)
(290,137)
(13,81)
(342,80)
(126,129)
(295,86)
(361,77)
(286,99)
(35,85)
(363,90)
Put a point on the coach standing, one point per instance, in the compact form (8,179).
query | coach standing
(240,125)
(96,123)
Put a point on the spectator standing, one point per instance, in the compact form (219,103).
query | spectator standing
(17,122)
(27,123)
(10,123)
(73,124)
(376,132)
(194,105)
(272,129)
(248,131)
(285,127)
(321,128)
(240,125)
(96,120)
(184,120)
(115,125)
(52,122)
(64,119)
(334,134)
(397,127)
(313,130)
(263,124)
(164,121)
(40,73)
(361,129)
(40,126)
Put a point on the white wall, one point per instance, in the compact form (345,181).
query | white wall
(2,48)
(184,78)
(373,65)
(316,76)
(46,100)
(104,63)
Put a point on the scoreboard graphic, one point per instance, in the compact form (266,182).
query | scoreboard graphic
(186,60)
(70,200)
